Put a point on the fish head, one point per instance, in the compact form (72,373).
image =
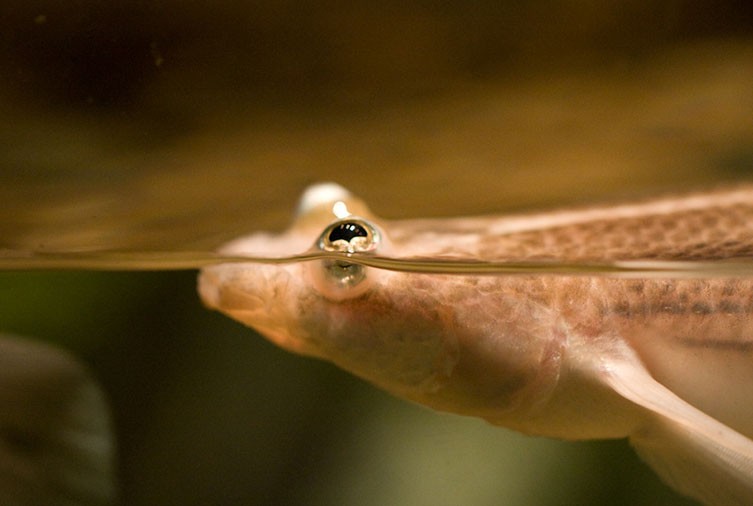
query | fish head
(431,338)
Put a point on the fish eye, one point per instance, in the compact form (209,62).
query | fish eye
(339,279)
(346,231)
(353,235)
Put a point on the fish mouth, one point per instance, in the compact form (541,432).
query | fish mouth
(216,294)
(246,303)
(209,289)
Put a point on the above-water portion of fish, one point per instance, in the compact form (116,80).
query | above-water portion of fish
(666,361)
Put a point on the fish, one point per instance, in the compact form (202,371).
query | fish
(57,444)
(663,360)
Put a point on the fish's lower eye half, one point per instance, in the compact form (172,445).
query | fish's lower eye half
(345,273)
(339,280)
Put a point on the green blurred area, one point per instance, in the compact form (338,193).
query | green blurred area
(167,126)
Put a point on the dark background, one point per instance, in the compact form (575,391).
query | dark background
(162,126)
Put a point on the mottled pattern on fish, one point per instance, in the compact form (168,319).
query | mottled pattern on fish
(708,226)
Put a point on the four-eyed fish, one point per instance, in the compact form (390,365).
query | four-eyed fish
(666,361)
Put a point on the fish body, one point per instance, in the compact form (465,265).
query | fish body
(665,362)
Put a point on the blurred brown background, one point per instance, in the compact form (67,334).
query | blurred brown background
(165,126)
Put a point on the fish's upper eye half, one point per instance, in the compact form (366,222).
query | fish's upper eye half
(352,235)
(346,231)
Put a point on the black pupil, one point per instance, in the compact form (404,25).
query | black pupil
(347,231)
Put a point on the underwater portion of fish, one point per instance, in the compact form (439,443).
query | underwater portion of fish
(664,361)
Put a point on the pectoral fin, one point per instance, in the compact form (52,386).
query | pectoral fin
(691,451)
(56,445)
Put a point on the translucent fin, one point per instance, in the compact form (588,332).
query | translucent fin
(56,444)
(692,452)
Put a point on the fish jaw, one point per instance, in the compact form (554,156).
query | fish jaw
(365,336)
(428,339)
(261,297)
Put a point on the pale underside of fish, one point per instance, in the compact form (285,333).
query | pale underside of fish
(664,361)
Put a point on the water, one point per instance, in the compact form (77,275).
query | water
(188,260)
(146,159)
